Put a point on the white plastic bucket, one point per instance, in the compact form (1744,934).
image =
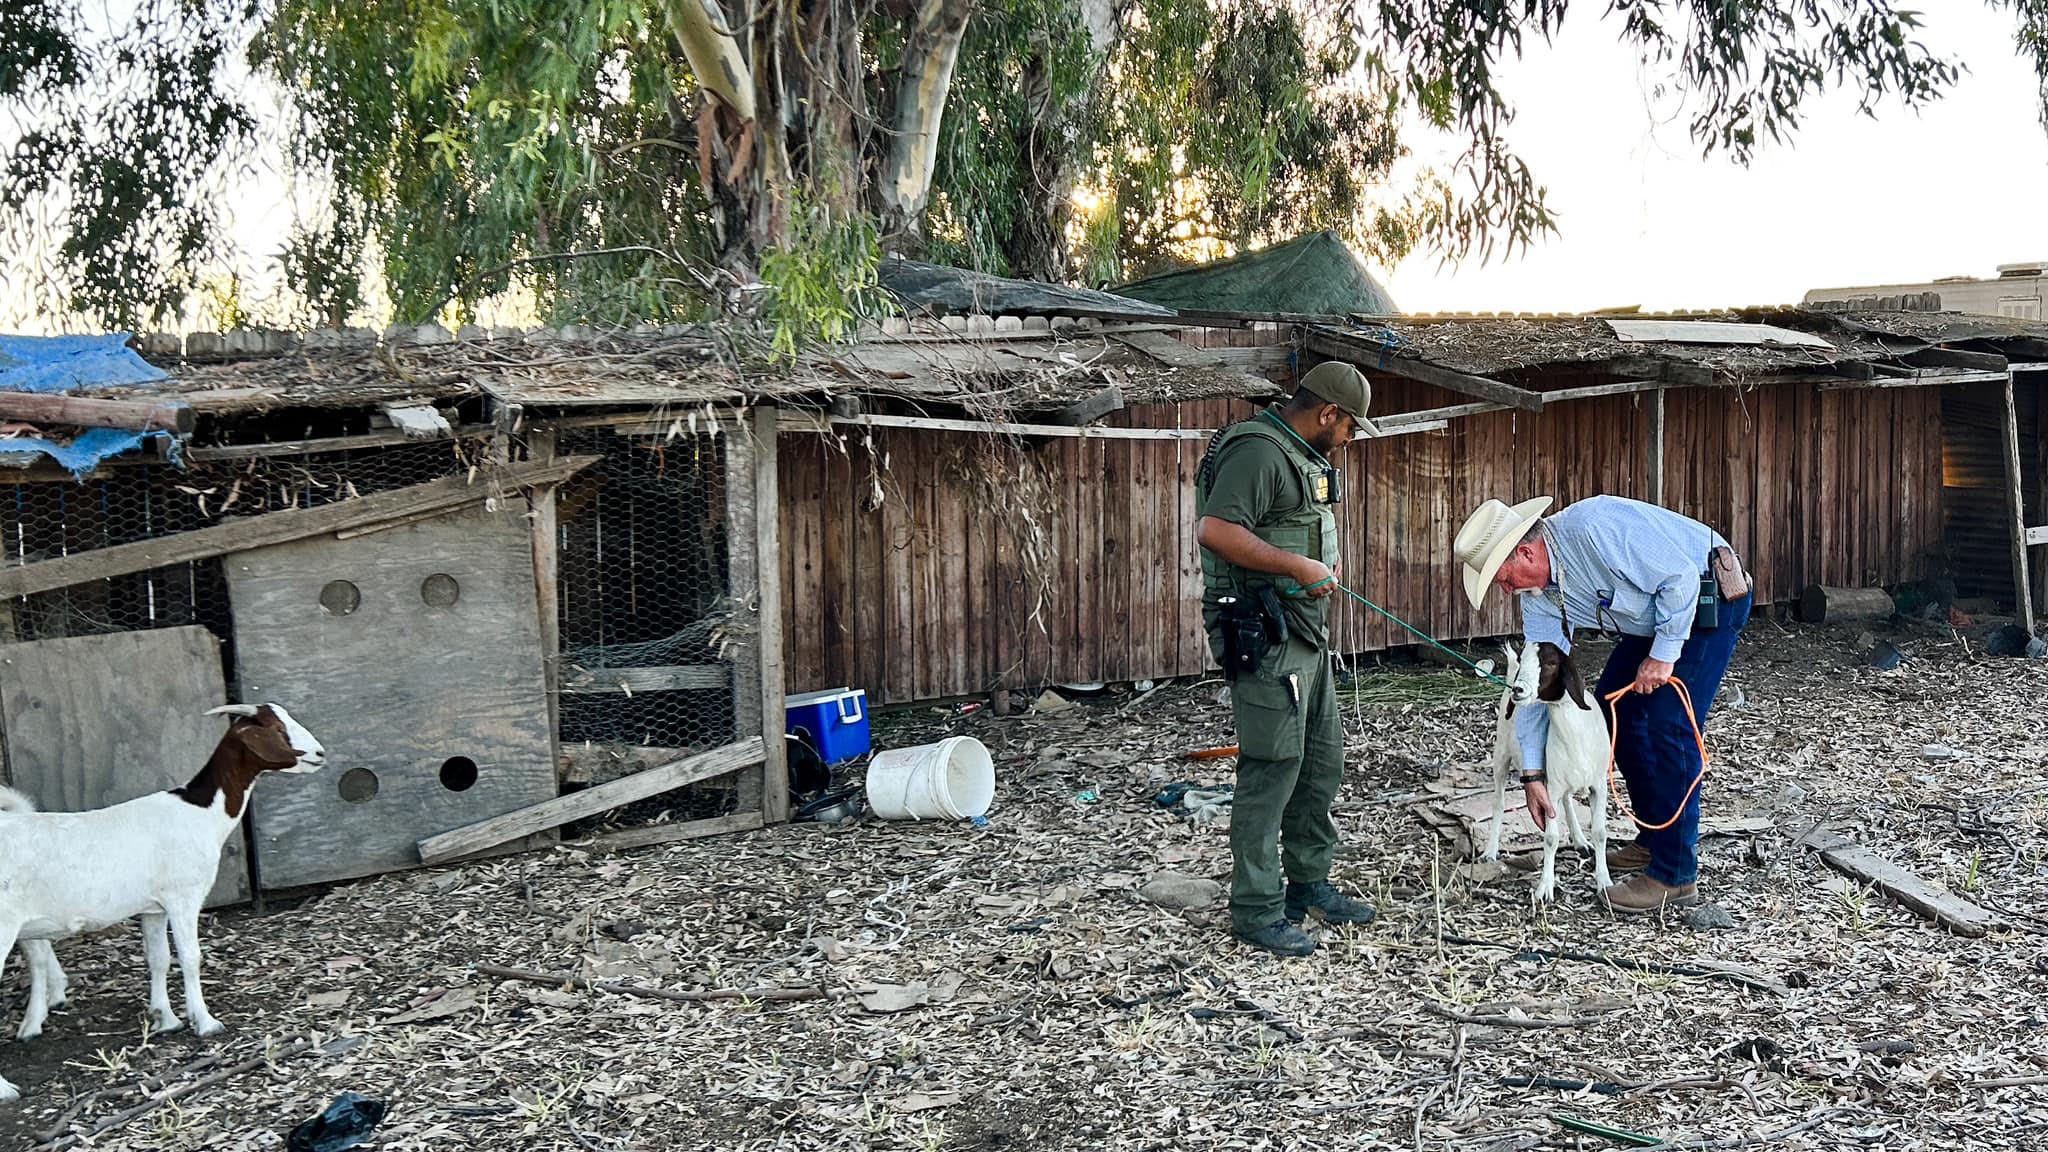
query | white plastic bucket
(953,779)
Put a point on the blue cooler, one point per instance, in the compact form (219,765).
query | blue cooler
(834,722)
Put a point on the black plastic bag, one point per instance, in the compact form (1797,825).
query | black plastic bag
(346,1123)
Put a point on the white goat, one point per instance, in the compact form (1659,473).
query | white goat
(1507,750)
(47,984)
(62,873)
(1574,756)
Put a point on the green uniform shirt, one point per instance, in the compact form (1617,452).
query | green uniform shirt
(1256,483)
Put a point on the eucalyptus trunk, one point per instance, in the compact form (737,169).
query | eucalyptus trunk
(785,112)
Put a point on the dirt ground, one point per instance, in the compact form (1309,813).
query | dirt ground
(1007,986)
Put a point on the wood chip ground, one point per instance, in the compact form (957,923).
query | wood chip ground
(1007,987)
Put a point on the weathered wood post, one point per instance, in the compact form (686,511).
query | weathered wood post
(2022,588)
(540,449)
(754,567)
(1656,460)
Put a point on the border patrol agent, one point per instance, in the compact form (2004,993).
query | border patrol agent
(1677,594)
(1266,496)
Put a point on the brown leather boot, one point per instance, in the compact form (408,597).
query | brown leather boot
(1630,857)
(1639,895)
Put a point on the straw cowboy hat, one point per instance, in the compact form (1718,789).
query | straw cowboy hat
(1488,536)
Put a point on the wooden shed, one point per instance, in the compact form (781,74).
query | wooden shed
(520,579)
(499,613)
(510,579)
(1857,449)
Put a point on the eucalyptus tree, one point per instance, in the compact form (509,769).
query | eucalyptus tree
(627,159)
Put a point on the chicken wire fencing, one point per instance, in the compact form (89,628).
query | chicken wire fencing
(133,501)
(647,643)
(649,638)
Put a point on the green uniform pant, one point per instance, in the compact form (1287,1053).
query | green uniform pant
(1290,760)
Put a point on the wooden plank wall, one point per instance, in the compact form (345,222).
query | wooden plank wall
(926,596)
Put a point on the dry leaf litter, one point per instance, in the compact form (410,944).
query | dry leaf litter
(942,986)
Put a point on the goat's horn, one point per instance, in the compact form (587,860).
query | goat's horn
(233,710)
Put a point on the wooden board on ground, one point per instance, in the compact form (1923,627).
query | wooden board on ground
(92,721)
(589,802)
(1950,911)
(414,654)
(626,839)
(1820,604)
(1471,813)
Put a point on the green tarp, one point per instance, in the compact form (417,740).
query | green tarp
(1315,274)
(934,288)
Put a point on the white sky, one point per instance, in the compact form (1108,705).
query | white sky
(1953,190)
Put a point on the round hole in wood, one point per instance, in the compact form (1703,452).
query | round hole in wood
(440,590)
(357,785)
(458,774)
(340,597)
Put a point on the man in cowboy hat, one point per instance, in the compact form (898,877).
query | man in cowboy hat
(1268,532)
(1676,593)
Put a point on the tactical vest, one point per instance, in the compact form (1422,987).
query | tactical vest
(1308,529)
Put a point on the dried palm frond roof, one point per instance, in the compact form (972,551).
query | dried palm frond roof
(1014,365)
(1019,369)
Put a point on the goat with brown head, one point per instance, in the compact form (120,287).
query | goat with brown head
(1574,762)
(260,738)
(1557,677)
(153,857)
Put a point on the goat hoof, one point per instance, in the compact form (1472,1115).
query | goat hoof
(208,1026)
(168,1024)
(8,1092)
(26,1032)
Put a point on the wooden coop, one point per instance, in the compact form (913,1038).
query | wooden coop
(500,612)
(513,581)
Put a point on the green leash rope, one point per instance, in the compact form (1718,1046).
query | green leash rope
(1426,637)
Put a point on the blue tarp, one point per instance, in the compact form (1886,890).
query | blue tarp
(67,363)
(64,364)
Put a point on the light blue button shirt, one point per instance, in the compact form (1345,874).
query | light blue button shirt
(1617,564)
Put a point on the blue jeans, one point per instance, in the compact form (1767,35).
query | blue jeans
(1653,743)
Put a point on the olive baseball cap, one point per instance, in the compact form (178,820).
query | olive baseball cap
(1338,383)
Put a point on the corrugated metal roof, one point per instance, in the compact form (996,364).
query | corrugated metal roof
(1633,331)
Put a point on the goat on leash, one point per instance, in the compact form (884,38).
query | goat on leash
(1574,756)
(62,873)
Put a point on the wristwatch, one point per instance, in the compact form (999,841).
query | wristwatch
(1529,778)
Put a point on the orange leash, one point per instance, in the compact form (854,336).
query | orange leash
(1614,736)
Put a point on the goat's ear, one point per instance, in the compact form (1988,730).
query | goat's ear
(1575,687)
(270,748)
(234,710)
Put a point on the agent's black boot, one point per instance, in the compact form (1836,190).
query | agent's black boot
(1281,938)
(1328,905)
